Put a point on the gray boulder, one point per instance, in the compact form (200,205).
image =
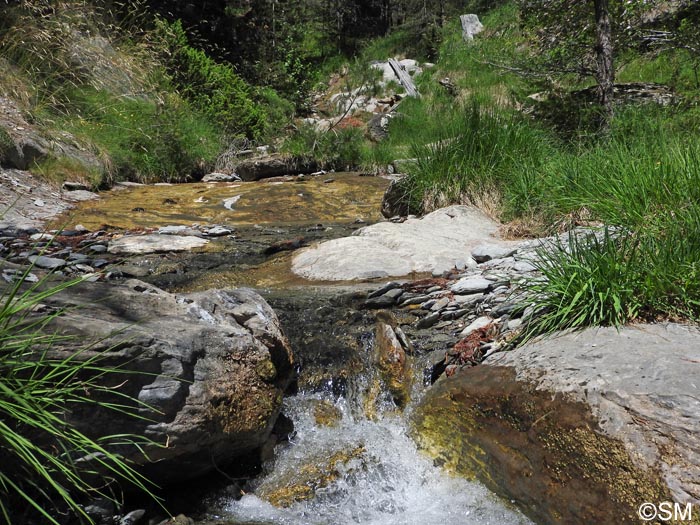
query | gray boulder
(212,366)
(470,26)
(274,165)
(395,200)
(579,428)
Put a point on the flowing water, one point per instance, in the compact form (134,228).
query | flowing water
(351,458)
(349,468)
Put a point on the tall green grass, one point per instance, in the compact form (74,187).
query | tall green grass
(642,180)
(48,465)
(146,140)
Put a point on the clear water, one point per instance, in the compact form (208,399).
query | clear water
(389,483)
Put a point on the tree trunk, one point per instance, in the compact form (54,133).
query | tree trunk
(605,72)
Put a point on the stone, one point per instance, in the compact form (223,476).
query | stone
(133,517)
(70,185)
(576,428)
(487,252)
(101,510)
(155,243)
(440,304)
(274,165)
(523,267)
(440,241)
(378,126)
(212,365)
(381,291)
(221,177)
(477,324)
(429,320)
(467,300)
(217,231)
(48,263)
(394,201)
(178,229)
(180,519)
(470,26)
(81,195)
(470,285)
(392,363)
(383,301)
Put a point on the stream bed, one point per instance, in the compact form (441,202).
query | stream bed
(350,458)
(366,471)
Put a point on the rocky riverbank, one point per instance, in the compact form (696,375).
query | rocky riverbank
(574,429)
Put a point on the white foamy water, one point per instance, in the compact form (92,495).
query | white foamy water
(388,483)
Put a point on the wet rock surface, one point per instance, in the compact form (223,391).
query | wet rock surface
(540,450)
(579,428)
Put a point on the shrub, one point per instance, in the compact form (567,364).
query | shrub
(212,87)
(338,149)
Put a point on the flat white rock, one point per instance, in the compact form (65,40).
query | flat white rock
(436,243)
(154,243)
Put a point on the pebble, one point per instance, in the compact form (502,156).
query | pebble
(440,304)
(487,252)
(470,285)
(133,517)
(48,263)
(217,231)
(454,314)
(41,237)
(429,320)
(418,299)
(480,322)
(464,300)
(98,248)
(382,301)
(381,291)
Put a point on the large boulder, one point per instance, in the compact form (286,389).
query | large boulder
(580,428)
(210,369)
(274,165)
(436,243)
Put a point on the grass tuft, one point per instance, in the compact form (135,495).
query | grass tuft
(48,465)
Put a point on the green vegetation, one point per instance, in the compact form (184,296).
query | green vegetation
(214,88)
(146,140)
(45,466)
(543,171)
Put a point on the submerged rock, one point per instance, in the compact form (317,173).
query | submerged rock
(212,366)
(581,428)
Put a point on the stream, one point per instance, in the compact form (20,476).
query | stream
(350,458)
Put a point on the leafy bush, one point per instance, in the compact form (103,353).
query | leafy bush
(44,458)
(338,149)
(212,87)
